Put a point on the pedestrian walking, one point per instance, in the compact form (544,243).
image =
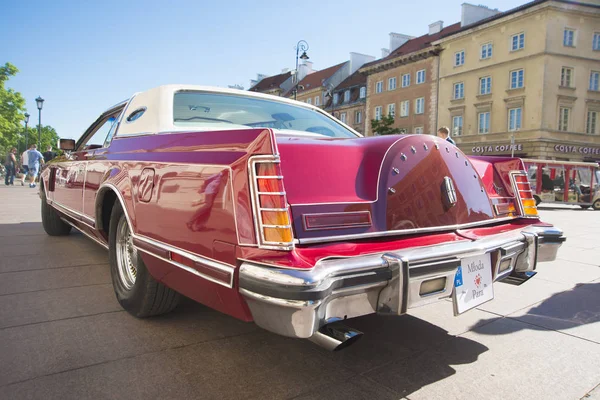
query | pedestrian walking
(49,154)
(35,159)
(11,165)
(444,133)
(24,165)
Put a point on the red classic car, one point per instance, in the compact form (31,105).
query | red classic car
(272,211)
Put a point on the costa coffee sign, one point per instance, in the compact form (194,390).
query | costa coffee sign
(499,148)
(561,148)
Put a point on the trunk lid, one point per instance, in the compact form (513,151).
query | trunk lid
(406,184)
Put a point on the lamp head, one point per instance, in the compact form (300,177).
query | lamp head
(40,102)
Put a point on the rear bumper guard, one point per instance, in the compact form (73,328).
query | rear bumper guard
(297,303)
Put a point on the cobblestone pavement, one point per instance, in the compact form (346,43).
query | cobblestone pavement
(64,336)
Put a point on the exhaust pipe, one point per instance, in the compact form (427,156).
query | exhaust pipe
(518,278)
(335,336)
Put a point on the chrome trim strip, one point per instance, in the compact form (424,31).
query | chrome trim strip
(401,232)
(75,213)
(189,269)
(86,234)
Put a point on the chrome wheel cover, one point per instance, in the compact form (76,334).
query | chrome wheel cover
(126,255)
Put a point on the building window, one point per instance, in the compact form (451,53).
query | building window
(591,122)
(363,92)
(596,41)
(336,98)
(347,96)
(514,119)
(420,76)
(392,110)
(309,101)
(379,87)
(420,105)
(405,80)
(569,38)
(418,130)
(516,79)
(343,117)
(357,117)
(566,76)
(378,113)
(317,100)
(484,122)
(485,85)
(459,90)
(404,108)
(457,125)
(564,115)
(459,58)
(486,51)
(594,80)
(392,83)
(517,41)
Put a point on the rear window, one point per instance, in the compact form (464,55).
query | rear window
(215,111)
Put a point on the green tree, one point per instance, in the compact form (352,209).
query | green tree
(12,108)
(384,126)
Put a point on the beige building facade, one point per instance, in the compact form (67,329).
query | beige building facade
(404,83)
(525,81)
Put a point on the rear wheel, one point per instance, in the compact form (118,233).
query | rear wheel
(53,225)
(596,204)
(136,290)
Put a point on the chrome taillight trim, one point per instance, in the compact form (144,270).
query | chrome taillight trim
(256,208)
(513,181)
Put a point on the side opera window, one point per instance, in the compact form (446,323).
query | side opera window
(136,114)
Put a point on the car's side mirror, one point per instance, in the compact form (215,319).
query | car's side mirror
(66,144)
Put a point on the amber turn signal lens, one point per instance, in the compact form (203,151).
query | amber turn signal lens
(269,185)
(275,217)
(271,201)
(278,235)
(268,169)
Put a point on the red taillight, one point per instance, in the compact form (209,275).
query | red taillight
(349,219)
(272,219)
(524,194)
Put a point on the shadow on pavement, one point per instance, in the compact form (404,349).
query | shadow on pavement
(396,357)
(566,310)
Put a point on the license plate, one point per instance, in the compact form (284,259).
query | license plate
(472,283)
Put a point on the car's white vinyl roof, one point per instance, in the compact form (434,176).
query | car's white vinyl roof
(158,104)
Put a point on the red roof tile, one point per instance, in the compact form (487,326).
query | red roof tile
(356,79)
(271,82)
(316,79)
(416,44)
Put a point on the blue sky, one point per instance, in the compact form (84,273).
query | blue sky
(82,58)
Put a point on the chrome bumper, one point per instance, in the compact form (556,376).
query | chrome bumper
(297,303)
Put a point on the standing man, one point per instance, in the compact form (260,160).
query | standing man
(24,165)
(49,154)
(35,159)
(11,165)
(444,133)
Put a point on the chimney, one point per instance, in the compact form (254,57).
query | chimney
(357,60)
(304,69)
(385,53)
(397,40)
(436,27)
(471,13)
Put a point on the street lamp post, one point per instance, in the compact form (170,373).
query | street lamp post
(302,45)
(40,103)
(26,137)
